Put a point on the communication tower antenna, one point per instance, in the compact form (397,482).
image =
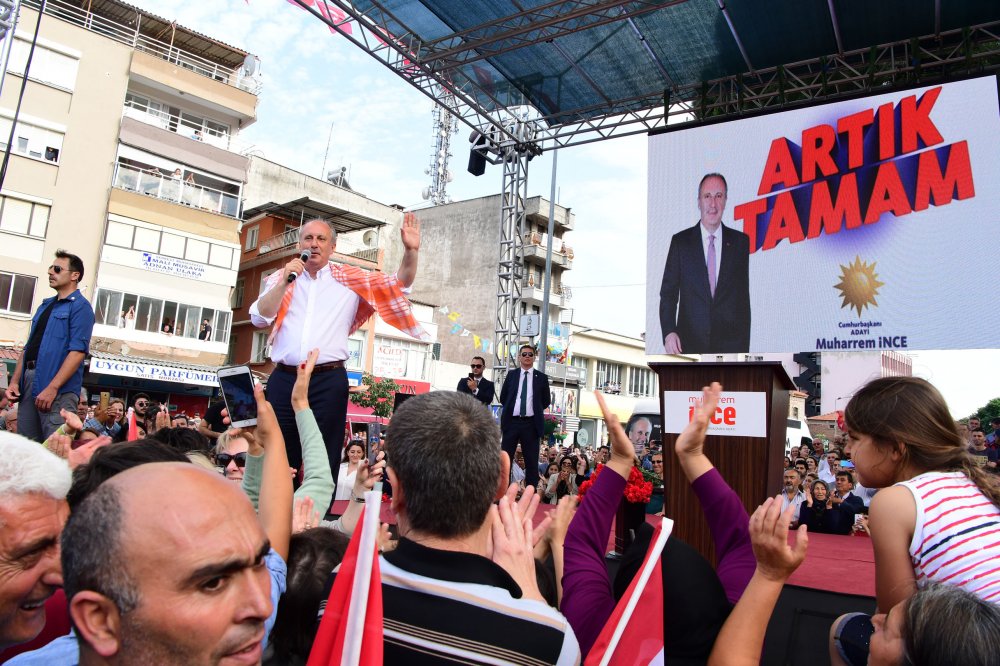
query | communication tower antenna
(445,126)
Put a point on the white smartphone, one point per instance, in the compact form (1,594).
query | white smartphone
(236,383)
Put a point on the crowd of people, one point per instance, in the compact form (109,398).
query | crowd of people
(159,539)
(175,549)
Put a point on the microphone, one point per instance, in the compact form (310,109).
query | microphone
(304,257)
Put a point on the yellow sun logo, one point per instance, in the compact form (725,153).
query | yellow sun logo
(858,285)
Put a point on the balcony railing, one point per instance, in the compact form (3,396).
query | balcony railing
(169,188)
(133,38)
(345,246)
(182,126)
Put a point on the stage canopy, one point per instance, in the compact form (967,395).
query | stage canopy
(593,69)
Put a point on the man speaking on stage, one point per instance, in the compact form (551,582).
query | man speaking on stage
(314,303)
(705,294)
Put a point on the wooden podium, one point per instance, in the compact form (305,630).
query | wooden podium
(752,466)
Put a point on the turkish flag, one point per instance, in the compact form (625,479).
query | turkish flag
(634,633)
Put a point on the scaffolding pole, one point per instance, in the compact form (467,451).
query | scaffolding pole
(510,267)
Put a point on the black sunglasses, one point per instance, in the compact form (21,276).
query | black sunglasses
(527,354)
(56,269)
(476,365)
(223,459)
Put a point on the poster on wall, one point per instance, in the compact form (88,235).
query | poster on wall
(865,224)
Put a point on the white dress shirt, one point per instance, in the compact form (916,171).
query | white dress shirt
(718,248)
(528,411)
(320,315)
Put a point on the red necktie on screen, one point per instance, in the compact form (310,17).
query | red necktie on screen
(711,263)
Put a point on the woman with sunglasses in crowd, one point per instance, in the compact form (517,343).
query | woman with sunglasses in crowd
(564,482)
(231,454)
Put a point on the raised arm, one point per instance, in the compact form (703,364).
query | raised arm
(588,600)
(275,508)
(742,637)
(318,480)
(410,235)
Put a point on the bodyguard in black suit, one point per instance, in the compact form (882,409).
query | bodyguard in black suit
(477,386)
(705,294)
(521,419)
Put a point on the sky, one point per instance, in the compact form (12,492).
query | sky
(319,90)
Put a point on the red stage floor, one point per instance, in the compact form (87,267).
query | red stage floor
(834,563)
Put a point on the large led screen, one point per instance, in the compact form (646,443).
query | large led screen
(866,224)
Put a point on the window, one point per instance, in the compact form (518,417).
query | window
(23,217)
(641,383)
(252,238)
(172,245)
(153,314)
(608,377)
(355,354)
(220,331)
(119,234)
(221,256)
(31,140)
(16,292)
(47,65)
(197,251)
(146,239)
(237,301)
(259,350)
(263,280)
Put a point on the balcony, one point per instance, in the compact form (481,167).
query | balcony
(154,183)
(345,246)
(536,210)
(533,292)
(130,36)
(535,247)
(207,132)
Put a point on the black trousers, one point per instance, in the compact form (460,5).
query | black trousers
(522,429)
(328,400)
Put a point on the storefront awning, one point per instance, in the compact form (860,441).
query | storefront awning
(137,367)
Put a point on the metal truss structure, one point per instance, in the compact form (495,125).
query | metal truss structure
(439,65)
(509,270)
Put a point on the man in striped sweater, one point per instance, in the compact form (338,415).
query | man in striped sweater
(460,586)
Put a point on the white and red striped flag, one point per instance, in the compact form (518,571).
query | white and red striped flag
(133,429)
(351,629)
(633,634)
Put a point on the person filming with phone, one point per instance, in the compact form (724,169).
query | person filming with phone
(475,384)
(313,303)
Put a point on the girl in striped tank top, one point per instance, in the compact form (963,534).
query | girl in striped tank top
(936,519)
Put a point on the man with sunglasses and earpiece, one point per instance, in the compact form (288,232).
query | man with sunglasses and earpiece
(524,396)
(475,384)
(49,373)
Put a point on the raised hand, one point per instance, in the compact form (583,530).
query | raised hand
(622,451)
(300,391)
(690,444)
(410,232)
(510,546)
(304,515)
(72,420)
(776,560)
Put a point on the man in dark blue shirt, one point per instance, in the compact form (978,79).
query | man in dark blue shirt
(49,373)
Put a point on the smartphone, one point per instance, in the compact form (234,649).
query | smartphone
(105,401)
(236,383)
(471,376)
(372,450)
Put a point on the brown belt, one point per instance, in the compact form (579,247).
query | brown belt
(321,367)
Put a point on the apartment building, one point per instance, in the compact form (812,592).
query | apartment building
(127,153)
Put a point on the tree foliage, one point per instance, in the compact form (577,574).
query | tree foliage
(990,410)
(379,397)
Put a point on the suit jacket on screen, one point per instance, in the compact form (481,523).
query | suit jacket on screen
(706,324)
